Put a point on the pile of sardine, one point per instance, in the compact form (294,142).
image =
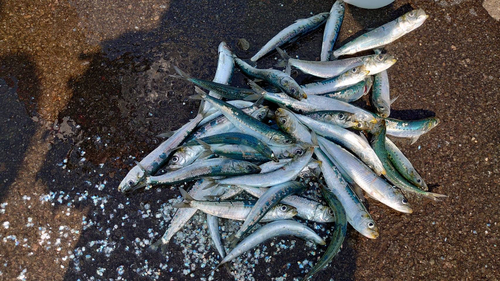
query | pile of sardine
(231,148)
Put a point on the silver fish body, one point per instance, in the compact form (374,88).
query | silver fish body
(344,80)
(384,34)
(300,27)
(286,173)
(265,202)
(403,165)
(306,208)
(210,167)
(349,140)
(182,216)
(157,158)
(357,214)
(372,184)
(271,230)
(332,29)
(381,98)
(275,77)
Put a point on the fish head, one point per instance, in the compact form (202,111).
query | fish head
(182,157)
(399,201)
(356,73)
(413,19)
(344,119)
(261,113)
(368,84)
(285,120)
(383,107)
(286,211)
(339,7)
(324,214)
(133,180)
(366,226)
(379,63)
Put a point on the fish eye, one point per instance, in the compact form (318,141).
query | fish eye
(355,70)
(330,211)
(419,180)
(283,208)
(341,116)
(404,201)
(283,120)
(371,225)
(287,141)
(175,159)
(299,152)
(359,125)
(411,14)
(131,182)
(380,57)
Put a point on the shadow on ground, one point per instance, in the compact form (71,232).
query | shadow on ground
(124,99)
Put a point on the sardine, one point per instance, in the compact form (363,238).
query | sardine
(298,28)
(372,184)
(267,201)
(332,29)
(210,167)
(384,34)
(271,230)
(338,234)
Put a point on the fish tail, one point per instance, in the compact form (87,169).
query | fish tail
(252,97)
(187,200)
(286,58)
(435,196)
(182,73)
(257,89)
(233,241)
(166,134)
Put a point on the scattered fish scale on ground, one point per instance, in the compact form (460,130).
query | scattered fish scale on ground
(343,158)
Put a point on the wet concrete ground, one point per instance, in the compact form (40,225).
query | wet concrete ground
(86,87)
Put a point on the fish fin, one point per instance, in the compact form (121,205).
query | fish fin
(181,205)
(414,139)
(199,91)
(160,244)
(378,51)
(394,99)
(358,191)
(258,89)
(186,195)
(233,241)
(166,134)
(195,97)
(362,135)
(281,63)
(207,149)
(286,58)
(314,139)
(204,144)
(205,154)
(146,173)
(252,97)
(212,182)
(259,101)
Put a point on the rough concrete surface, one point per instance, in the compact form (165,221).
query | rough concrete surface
(86,87)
